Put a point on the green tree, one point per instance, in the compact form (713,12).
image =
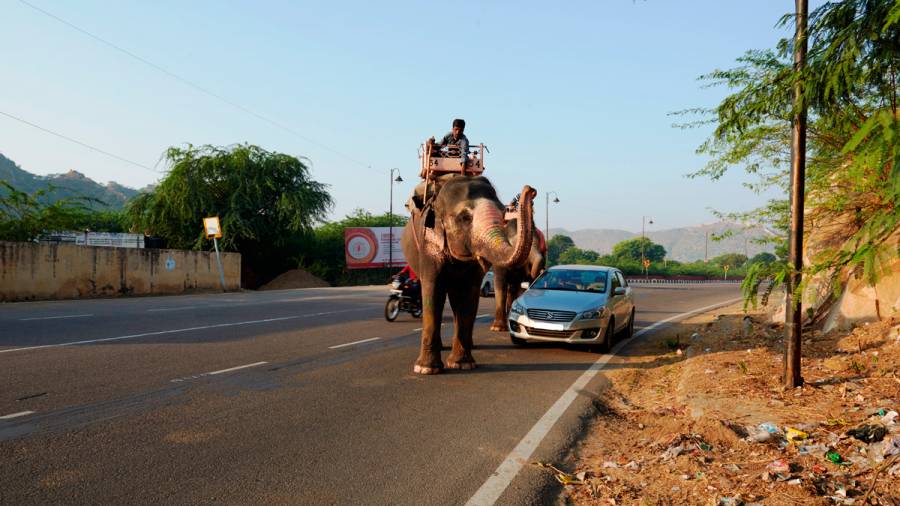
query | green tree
(264,201)
(575,255)
(556,246)
(762,258)
(24,217)
(732,260)
(630,249)
(853,178)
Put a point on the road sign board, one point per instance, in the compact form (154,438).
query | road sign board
(211,225)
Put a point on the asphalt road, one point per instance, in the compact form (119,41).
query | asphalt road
(285,397)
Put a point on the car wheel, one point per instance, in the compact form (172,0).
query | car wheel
(517,341)
(609,337)
(628,331)
(391,309)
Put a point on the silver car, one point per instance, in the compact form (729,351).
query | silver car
(582,304)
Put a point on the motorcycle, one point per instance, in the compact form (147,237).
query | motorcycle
(405,295)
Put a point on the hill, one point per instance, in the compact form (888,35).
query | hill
(685,244)
(69,184)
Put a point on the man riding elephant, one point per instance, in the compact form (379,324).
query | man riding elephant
(451,250)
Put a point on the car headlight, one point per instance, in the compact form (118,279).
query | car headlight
(517,308)
(591,315)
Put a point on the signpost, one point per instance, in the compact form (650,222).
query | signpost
(214,232)
(725,268)
(646,263)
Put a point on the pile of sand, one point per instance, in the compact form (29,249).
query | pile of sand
(294,278)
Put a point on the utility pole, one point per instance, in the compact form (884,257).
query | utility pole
(793,317)
(706,249)
(391,218)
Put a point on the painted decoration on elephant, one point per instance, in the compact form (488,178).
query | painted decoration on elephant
(369,247)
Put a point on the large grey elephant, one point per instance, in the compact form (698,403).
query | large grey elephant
(450,241)
(508,280)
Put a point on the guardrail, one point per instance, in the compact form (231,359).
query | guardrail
(663,281)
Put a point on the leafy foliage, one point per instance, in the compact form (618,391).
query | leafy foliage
(24,217)
(556,246)
(265,202)
(638,248)
(850,89)
(732,260)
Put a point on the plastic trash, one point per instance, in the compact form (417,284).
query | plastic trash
(769,427)
(889,418)
(891,447)
(817,449)
(835,458)
(794,435)
(779,466)
(869,433)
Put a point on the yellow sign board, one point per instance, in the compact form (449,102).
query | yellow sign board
(211,225)
(726,267)
(646,262)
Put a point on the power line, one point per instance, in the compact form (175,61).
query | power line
(193,85)
(76,141)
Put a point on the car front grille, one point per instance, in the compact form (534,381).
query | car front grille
(559,334)
(550,315)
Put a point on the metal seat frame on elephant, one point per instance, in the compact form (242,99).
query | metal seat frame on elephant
(433,163)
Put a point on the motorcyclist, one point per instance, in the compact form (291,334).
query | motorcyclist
(410,283)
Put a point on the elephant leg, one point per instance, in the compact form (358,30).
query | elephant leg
(500,309)
(433,295)
(464,302)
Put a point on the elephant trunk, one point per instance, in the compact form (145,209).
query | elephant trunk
(490,234)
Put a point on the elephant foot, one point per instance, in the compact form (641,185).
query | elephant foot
(461,363)
(498,327)
(420,369)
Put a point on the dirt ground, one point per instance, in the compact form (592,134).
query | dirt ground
(295,278)
(696,414)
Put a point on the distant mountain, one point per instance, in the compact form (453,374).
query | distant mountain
(684,244)
(70,184)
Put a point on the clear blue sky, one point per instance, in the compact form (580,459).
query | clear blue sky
(569,96)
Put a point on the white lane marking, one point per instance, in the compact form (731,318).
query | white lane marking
(254,364)
(483,315)
(493,488)
(54,317)
(15,415)
(354,342)
(182,308)
(175,331)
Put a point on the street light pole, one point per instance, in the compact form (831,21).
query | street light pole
(391,218)
(547,211)
(643,237)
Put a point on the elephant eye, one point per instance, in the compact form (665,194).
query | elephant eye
(464,216)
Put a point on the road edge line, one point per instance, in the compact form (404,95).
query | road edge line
(491,490)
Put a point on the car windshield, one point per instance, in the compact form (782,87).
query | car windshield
(575,280)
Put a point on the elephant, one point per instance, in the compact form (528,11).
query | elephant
(450,241)
(508,281)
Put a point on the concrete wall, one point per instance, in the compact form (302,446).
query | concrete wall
(30,271)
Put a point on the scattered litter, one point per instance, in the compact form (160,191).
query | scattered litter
(734,468)
(731,501)
(832,422)
(891,448)
(695,336)
(563,477)
(610,465)
(794,435)
(870,433)
(889,417)
(679,352)
(816,449)
(795,481)
(835,458)
(778,467)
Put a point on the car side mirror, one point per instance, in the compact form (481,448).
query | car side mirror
(524,285)
(620,290)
